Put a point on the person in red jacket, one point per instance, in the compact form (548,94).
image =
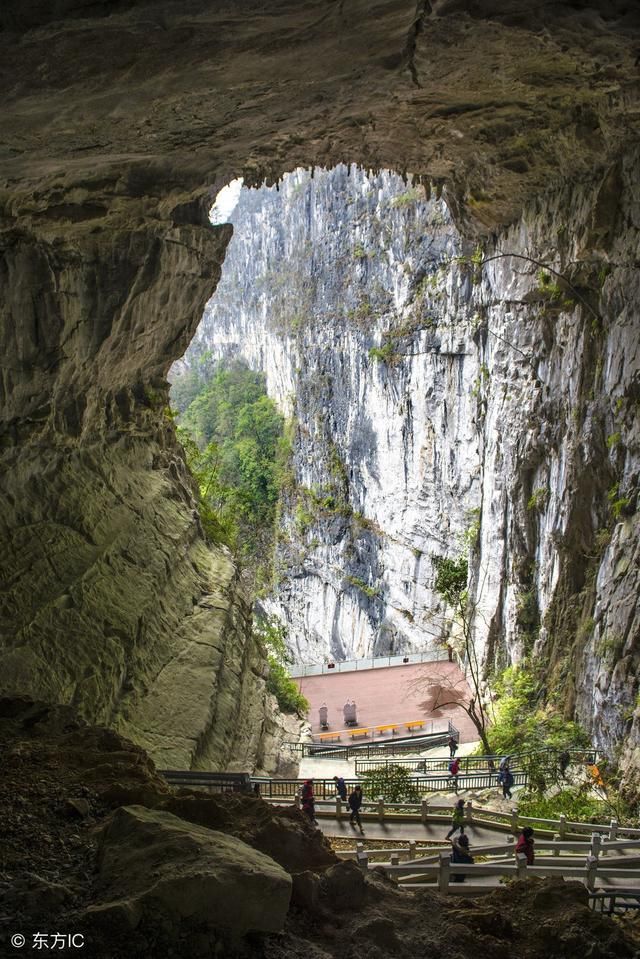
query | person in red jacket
(454,768)
(525,844)
(308,800)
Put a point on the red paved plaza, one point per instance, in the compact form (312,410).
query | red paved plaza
(394,694)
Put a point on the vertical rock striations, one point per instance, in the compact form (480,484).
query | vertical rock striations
(111,599)
(319,273)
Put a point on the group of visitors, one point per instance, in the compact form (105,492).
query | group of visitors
(460,849)
(460,852)
(354,800)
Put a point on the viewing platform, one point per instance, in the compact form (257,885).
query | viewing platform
(391,701)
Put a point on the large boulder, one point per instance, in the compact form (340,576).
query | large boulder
(282,833)
(152,862)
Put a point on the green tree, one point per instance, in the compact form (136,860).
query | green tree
(236,447)
(443,691)
(525,725)
(394,783)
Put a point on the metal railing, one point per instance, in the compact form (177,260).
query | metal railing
(396,746)
(431,655)
(279,790)
(393,747)
(468,764)
(214,782)
(547,758)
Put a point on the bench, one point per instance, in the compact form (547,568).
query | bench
(384,729)
(356,733)
(328,737)
(416,725)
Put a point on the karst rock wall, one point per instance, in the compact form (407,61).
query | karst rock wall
(119,122)
(445,397)
(112,600)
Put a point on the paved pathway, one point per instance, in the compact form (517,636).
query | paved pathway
(312,767)
(436,832)
(404,831)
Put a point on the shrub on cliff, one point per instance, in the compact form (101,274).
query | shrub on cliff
(270,634)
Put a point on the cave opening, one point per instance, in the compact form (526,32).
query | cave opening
(353,301)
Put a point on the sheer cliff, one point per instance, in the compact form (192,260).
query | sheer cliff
(449,396)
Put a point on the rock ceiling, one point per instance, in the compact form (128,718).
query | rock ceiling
(118,100)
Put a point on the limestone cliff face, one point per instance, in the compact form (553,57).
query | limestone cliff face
(112,601)
(446,396)
(318,273)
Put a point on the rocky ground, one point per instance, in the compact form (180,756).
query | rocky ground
(95,843)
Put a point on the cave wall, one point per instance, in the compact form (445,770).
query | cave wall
(112,600)
(118,123)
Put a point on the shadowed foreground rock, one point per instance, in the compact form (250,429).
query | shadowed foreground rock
(183,874)
(152,863)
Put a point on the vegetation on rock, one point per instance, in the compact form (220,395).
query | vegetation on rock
(271,634)
(451,584)
(523,723)
(237,449)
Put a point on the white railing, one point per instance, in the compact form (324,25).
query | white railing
(586,865)
(432,655)
(424,811)
(596,847)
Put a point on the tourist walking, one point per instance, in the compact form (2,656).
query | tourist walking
(525,845)
(505,778)
(341,787)
(563,762)
(454,769)
(355,802)
(453,746)
(460,854)
(457,820)
(308,801)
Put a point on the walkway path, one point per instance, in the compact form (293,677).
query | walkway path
(436,832)
(430,831)
(311,767)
